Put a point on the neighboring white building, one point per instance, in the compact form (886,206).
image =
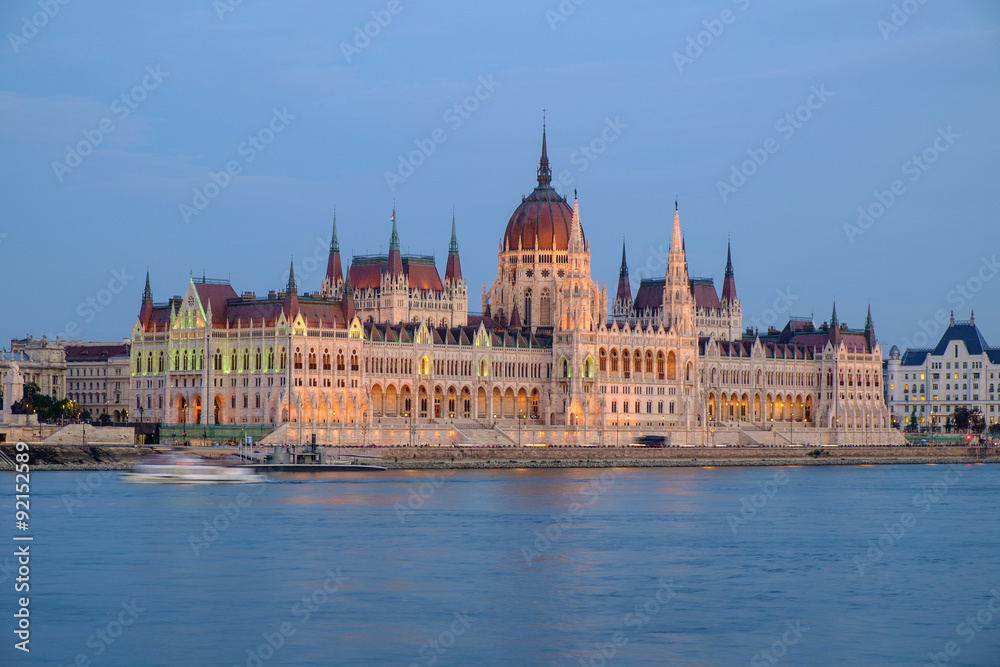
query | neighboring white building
(962,370)
(41,361)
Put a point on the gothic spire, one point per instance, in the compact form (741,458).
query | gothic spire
(544,172)
(623,271)
(623,297)
(869,325)
(395,259)
(453,246)
(290,287)
(334,271)
(729,283)
(453,270)
(147,294)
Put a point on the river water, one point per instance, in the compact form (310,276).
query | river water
(884,565)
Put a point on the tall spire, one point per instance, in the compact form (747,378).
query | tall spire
(453,246)
(869,325)
(395,259)
(623,298)
(453,271)
(147,294)
(677,257)
(394,238)
(544,172)
(146,309)
(291,304)
(870,330)
(291,287)
(834,324)
(334,271)
(729,283)
(576,242)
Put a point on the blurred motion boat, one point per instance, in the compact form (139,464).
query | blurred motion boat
(186,469)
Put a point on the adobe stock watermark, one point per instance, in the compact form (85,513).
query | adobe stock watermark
(434,648)
(313,262)
(591,492)
(899,17)
(782,304)
(959,297)
(562,13)
(104,637)
(38,20)
(967,630)
(749,508)
(89,308)
(419,495)
(223,7)
(714,28)
(454,116)
(641,614)
(301,612)
(586,154)
(915,167)
(928,497)
(363,35)
(786,126)
(122,107)
(778,649)
(248,149)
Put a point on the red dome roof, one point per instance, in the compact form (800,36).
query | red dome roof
(543,215)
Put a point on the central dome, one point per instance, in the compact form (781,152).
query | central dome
(542,221)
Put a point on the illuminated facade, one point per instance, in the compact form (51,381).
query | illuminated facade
(390,348)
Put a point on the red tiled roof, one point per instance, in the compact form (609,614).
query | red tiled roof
(217,295)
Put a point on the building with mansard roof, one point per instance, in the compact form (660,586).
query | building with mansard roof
(387,351)
(962,370)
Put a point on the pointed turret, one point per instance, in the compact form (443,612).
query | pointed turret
(453,271)
(677,257)
(624,295)
(334,272)
(291,304)
(575,228)
(395,259)
(515,318)
(870,330)
(544,172)
(146,309)
(347,302)
(835,335)
(972,317)
(729,283)
(678,301)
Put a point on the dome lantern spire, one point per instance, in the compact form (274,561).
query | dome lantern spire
(544,172)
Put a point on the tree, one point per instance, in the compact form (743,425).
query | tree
(947,424)
(962,417)
(913,420)
(995,428)
(977,422)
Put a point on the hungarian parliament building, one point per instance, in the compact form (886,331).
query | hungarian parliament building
(388,352)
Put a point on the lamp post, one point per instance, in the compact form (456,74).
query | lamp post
(713,436)
(520,427)
(774,434)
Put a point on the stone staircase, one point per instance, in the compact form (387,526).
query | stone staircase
(475,433)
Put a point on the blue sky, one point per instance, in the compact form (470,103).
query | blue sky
(197,81)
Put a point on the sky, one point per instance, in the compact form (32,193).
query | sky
(846,148)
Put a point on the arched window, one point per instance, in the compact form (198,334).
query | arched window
(688,371)
(671,365)
(649,362)
(626,364)
(232,361)
(326,360)
(340,360)
(297,359)
(312,359)
(527,308)
(282,358)
(565,368)
(257,359)
(545,309)
(660,365)
(246,359)
(354,360)
(149,362)
(270,359)
(614,360)
(185,359)
(218,360)
(602,360)
(159,364)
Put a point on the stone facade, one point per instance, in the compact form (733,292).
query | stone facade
(962,370)
(98,379)
(390,348)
